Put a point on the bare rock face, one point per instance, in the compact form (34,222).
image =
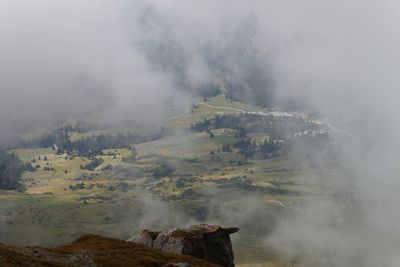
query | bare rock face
(209,242)
(146,237)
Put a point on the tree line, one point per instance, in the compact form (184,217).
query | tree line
(11,169)
(280,130)
(89,146)
(277,128)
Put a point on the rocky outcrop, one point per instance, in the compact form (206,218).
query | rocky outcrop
(209,242)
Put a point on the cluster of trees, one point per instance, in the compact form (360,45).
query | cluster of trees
(249,148)
(280,131)
(59,136)
(89,146)
(273,148)
(11,169)
(246,123)
(226,148)
(95,144)
(93,164)
(231,121)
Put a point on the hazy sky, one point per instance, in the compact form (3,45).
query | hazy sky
(62,58)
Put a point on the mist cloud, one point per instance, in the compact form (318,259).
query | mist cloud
(62,58)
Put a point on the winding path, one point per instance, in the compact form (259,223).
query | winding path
(219,107)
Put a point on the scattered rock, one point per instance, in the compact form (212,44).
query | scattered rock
(209,242)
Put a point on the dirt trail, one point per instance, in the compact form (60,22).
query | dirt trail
(219,107)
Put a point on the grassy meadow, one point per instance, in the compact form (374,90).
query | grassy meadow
(62,201)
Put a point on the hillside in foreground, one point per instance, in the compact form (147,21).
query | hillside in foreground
(94,250)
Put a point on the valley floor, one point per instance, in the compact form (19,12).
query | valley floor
(120,197)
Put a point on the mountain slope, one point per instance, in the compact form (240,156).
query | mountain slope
(93,250)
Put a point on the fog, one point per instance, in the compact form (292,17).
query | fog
(60,59)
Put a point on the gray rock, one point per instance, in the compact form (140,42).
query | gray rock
(208,242)
(146,237)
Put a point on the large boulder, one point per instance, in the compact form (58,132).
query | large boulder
(209,242)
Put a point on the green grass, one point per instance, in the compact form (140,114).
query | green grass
(208,109)
(221,101)
(182,146)
(49,213)
(28,154)
(54,220)
(113,131)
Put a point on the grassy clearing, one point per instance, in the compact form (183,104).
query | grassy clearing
(113,131)
(182,146)
(28,154)
(54,220)
(208,109)
(221,101)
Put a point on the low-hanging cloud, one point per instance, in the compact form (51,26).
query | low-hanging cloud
(63,58)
